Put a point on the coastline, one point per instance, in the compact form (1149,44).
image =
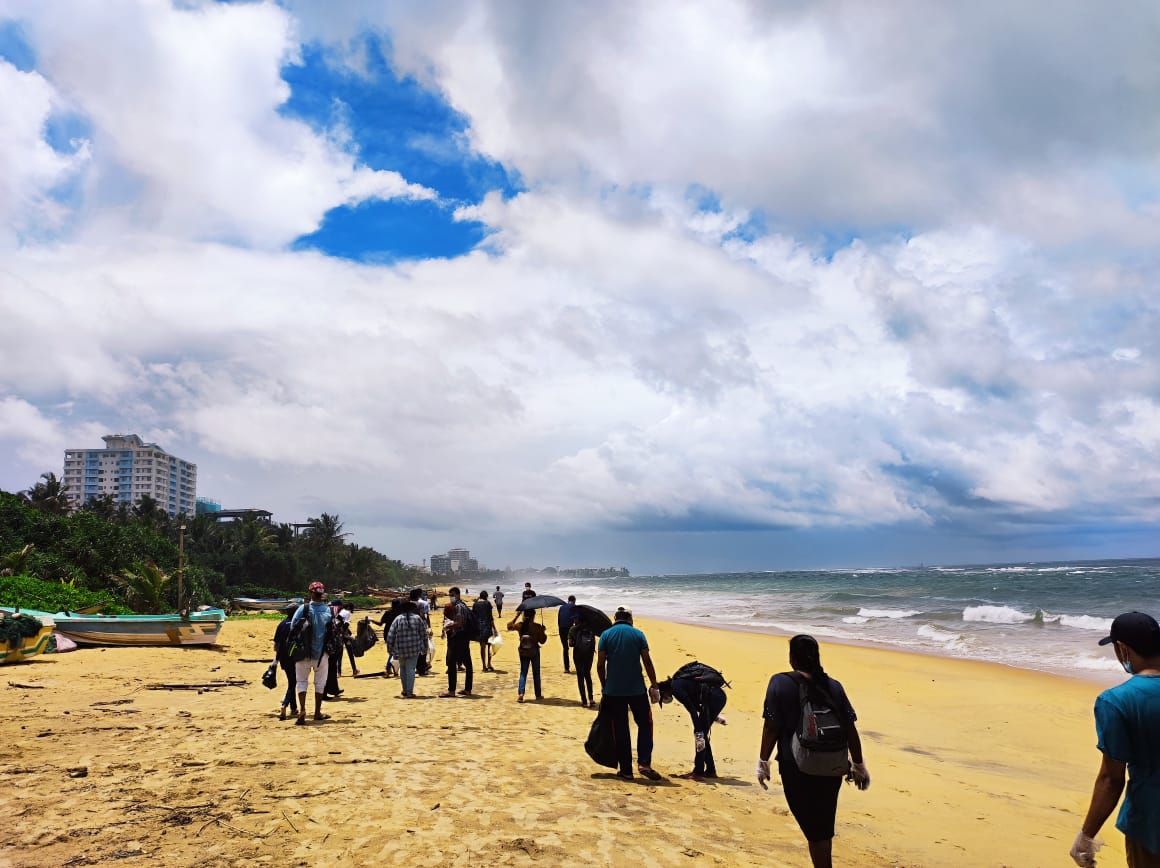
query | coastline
(972,764)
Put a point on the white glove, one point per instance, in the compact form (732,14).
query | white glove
(1083,851)
(654,695)
(860,775)
(763,773)
(721,720)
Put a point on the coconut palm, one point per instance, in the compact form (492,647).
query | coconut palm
(49,495)
(16,563)
(145,586)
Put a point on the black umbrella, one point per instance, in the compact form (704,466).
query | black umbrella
(540,601)
(592,618)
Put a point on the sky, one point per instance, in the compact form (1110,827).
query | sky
(676,286)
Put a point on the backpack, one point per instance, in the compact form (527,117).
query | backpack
(332,644)
(819,743)
(301,637)
(703,674)
(584,643)
(470,627)
(528,645)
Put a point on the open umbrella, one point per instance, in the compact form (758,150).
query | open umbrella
(540,601)
(592,618)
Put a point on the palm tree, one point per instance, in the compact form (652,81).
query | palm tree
(145,586)
(324,536)
(102,505)
(16,563)
(51,495)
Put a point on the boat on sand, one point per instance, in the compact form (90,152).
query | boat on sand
(196,628)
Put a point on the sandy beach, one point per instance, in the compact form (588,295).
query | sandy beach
(972,764)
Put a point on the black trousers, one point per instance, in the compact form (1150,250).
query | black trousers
(584,676)
(459,651)
(617,708)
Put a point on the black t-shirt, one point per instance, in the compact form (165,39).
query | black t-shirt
(783,704)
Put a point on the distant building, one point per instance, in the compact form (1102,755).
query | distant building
(455,562)
(205,506)
(129,469)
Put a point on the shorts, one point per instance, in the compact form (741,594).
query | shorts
(813,801)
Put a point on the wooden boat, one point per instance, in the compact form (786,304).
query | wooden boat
(275,604)
(31,646)
(199,628)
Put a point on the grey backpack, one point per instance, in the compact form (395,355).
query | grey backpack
(819,743)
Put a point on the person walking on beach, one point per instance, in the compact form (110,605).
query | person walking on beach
(700,689)
(583,643)
(386,620)
(458,645)
(320,616)
(564,618)
(281,634)
(497,598)
(407,639)
(622,650)
(481,608)
(812,798)
(532,636)
(1127,728)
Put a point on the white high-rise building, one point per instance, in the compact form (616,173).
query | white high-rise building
(128,468)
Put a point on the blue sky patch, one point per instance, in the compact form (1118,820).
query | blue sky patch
(390,231)
(14,46)
(394,124)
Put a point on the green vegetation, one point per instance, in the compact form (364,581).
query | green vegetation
(52,559)
(33,593)
(14,629)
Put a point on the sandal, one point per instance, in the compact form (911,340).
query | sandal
(650,773)
(300,721)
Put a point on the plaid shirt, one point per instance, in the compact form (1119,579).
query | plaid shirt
(407,636)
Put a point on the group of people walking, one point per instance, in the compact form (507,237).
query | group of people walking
(803,706)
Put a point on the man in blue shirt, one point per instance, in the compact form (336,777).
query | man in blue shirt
(1128,736)
(564,619)
(320,615)
(622,650)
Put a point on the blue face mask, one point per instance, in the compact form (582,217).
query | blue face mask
(1127,664)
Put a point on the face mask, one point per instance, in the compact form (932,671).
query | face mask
(1127,666)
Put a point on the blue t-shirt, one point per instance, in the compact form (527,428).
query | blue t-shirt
(1128,730)
(320,615)
(564,617)
(621,644)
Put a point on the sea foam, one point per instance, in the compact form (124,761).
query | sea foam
(996,615)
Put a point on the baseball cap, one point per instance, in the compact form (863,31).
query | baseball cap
(1138,631)
(317,587)
(623,614)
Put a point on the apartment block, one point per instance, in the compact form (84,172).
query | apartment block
(129,468)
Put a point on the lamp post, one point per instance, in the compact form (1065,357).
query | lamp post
(180,562)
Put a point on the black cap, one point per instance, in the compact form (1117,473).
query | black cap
(1138,631)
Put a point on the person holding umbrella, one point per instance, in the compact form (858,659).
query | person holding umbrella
(588,623)
(564,619)
(532,636)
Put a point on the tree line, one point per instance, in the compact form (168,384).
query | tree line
(133,554)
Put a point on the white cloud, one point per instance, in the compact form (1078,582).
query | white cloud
(187,135)
(615,357)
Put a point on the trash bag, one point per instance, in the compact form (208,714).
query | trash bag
(601,743)
(270,676)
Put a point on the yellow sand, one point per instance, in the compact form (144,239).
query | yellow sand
(972,764)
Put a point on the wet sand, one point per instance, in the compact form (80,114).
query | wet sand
(971,764)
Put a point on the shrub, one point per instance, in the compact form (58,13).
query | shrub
(30,593)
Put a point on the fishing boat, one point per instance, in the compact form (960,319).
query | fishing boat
(274,604)
(198,628)
(31,645)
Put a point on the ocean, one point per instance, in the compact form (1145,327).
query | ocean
(1043,616)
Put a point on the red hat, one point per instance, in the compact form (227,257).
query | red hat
(317,588)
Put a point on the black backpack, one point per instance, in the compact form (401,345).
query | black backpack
(301,636)
(703,674)
(470,627)
(820,745)
(584,642)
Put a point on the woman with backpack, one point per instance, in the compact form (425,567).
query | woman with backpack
(481,608)
(810,720)
(532,636)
